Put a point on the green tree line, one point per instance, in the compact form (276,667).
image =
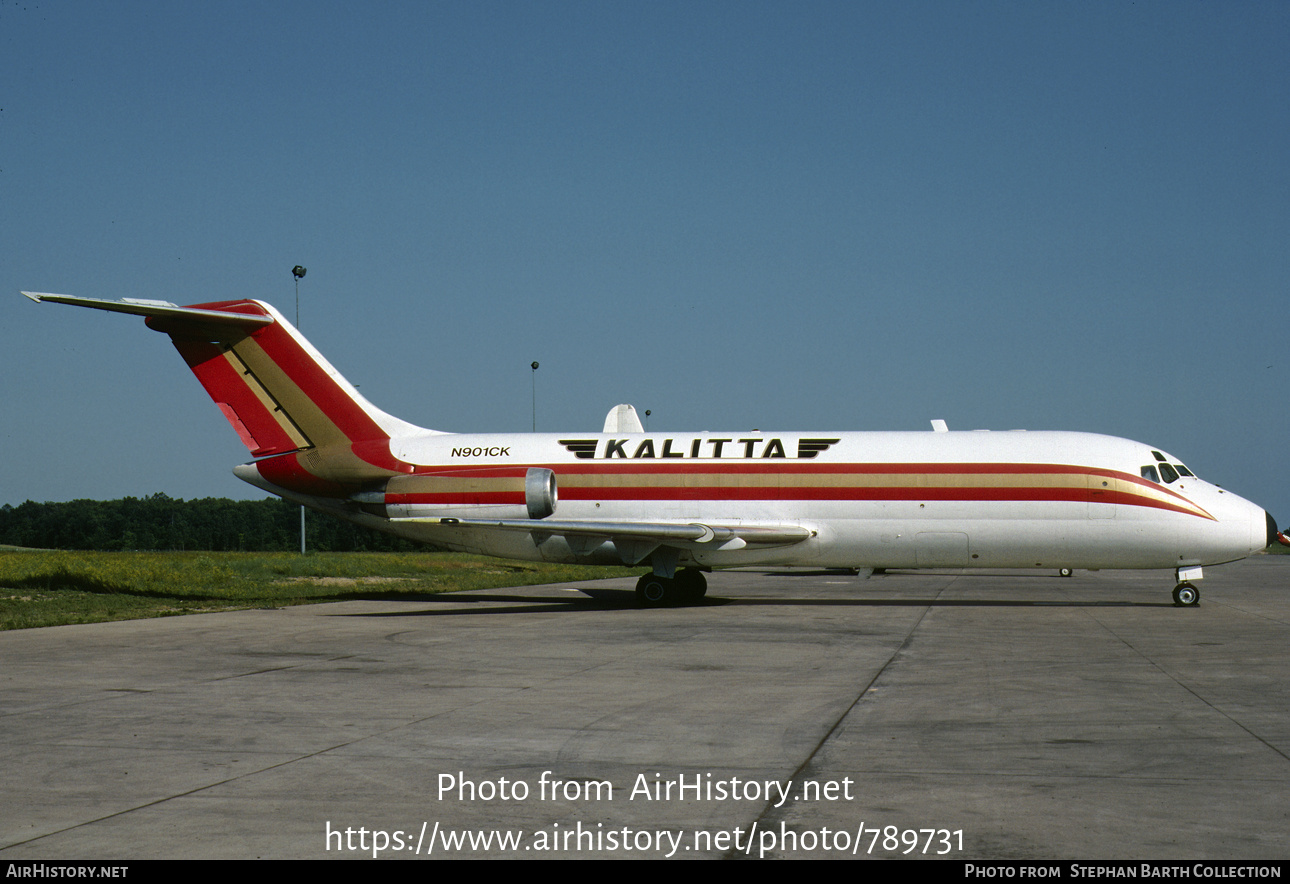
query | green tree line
(158,522)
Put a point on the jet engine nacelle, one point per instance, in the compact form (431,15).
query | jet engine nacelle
(540,493)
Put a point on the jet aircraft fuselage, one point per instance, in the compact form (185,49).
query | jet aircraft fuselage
(682,503)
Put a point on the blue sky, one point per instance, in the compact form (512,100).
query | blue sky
(816,216)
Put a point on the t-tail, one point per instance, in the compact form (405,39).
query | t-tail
(316,433)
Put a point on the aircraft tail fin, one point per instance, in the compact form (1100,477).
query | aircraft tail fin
(278,392)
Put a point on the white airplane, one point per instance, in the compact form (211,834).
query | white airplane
(683,503)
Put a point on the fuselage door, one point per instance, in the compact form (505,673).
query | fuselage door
(1101,500)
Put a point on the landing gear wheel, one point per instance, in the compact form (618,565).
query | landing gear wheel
(1066,572)
(655,592)
(691,585)
(1186,595)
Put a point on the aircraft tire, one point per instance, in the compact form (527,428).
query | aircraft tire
(691,585)
(655,592)
(1186,595)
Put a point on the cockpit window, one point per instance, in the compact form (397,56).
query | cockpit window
(1164,473)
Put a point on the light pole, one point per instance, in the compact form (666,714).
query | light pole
(534,366)
(299,272)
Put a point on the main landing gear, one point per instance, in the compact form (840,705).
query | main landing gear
(687,587)
(1186,595)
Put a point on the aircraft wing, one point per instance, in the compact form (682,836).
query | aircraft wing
(636,540)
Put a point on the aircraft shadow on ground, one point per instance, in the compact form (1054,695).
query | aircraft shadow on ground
(597,599)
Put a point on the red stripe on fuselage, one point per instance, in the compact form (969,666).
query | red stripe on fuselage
(778,467)
(791,492)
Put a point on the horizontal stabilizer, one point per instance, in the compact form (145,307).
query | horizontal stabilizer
(277,392)
(165,309)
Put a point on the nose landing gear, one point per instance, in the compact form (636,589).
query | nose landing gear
(1186,595)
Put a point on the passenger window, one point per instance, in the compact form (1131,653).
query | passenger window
(1149,472)
(1168,473)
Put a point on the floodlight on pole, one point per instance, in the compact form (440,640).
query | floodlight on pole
(299,273)
(534,366)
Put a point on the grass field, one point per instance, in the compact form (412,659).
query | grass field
(52,588)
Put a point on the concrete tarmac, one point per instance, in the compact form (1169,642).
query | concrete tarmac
(1014,715)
